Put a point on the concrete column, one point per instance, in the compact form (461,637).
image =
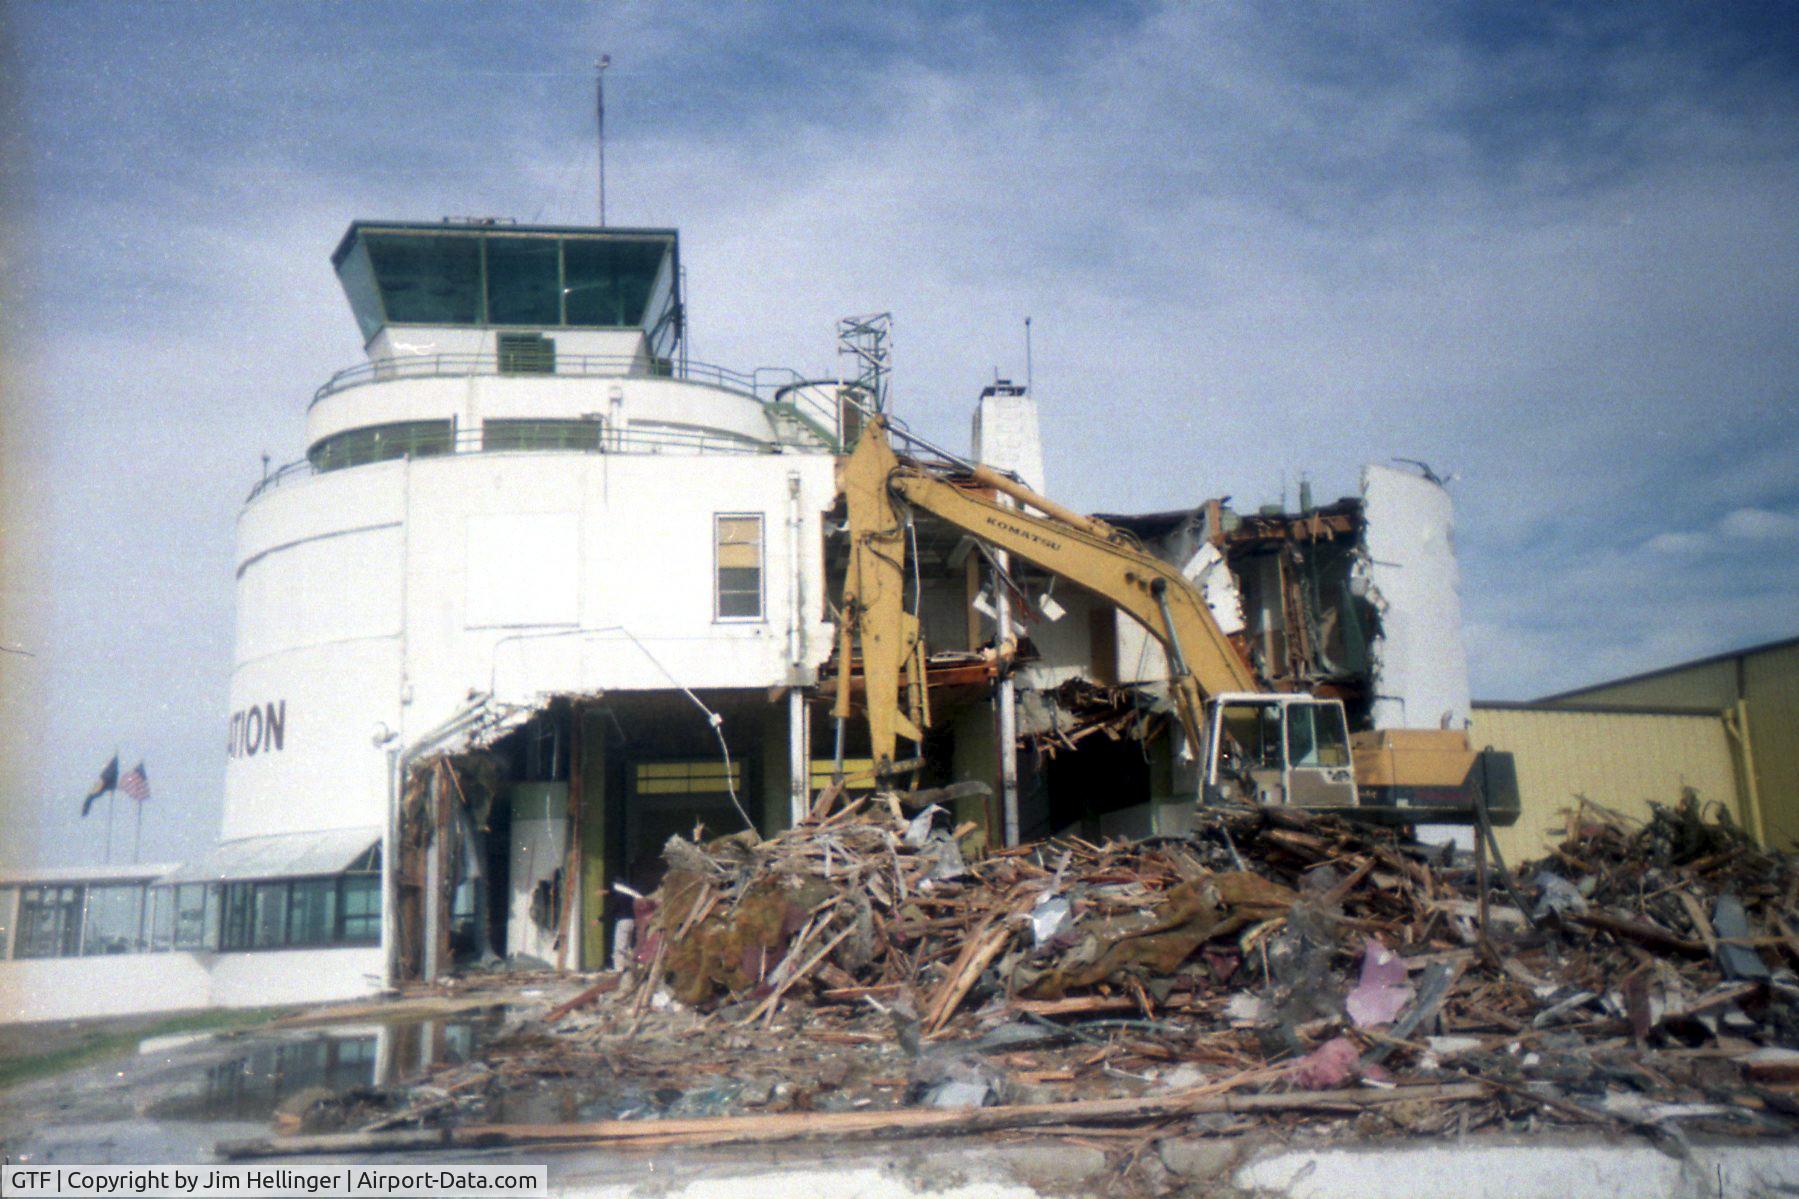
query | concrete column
(799,756)
(1007,714)
(436,922)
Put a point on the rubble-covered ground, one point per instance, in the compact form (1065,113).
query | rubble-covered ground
(1277,973)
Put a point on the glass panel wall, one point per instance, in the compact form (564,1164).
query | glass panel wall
(427,279)
(474,277)
(524,281)
(301,913)
(608,284)
(49,922)
(115,919)
(162,918)
(360,901)
(312,912)
(190,916)
(9,898)
(270,927)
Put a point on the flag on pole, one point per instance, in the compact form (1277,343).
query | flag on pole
(135,783)
(108,781)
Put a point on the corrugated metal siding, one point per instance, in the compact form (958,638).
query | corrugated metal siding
(1622,760)
(1707,685)
(1772,681)
(1769,684)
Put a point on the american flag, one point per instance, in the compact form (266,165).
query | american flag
(135,783)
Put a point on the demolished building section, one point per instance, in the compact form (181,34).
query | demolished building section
(543,593)
(1276,976)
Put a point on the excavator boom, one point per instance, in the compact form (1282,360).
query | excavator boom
(1202,660)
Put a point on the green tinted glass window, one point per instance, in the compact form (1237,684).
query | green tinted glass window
(312,912)
(524,281)
(541,435)
(359,909)
(358,277)
(379,443)
(269,924)
(426,279)
(609,283)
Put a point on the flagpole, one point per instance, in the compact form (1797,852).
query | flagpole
(112,798)
(137,835)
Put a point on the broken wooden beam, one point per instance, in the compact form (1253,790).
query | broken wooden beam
(911,1121)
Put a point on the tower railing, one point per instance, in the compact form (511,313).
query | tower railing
(619,366)
(528,437)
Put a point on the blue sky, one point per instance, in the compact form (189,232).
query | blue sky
(1548,248)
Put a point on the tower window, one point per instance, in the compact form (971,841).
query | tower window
(583,434)
(738,561)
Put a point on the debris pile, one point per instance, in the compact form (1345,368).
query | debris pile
(859,973)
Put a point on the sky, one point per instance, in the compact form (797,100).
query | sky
(1550,249)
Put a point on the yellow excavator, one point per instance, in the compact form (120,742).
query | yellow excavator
(1268,746)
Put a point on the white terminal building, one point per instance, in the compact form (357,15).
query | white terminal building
(543,593)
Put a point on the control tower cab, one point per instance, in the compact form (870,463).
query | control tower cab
(525,492)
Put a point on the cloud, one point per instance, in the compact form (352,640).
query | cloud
(1759,525)
(1727,535)
(1546,249)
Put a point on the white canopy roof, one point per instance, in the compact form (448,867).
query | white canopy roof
(283,855)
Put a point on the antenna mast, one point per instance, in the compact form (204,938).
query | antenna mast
(1028,389)
(599,87)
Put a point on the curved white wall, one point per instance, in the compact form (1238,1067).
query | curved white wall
(386,593)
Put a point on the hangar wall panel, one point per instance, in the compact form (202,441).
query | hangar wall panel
(1771,680)
(1623,760)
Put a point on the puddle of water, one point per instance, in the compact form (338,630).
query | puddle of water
(251,1084)
(175,1103)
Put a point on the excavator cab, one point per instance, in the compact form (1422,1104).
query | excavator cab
(1277,748)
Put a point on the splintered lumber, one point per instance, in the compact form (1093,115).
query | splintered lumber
(1086,1005)
(793,1126)
(609,983)
(335,1142)
(976,956)
(1649,934)
(423,1007)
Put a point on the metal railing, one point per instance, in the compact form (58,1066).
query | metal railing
(627,366)
(516,437)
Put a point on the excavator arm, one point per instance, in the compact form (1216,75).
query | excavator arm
(1202,660)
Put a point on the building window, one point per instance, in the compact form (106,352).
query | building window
(379,443)
(541,435)
(312,912)
(524,281)
(236,931)
(9,898)
(424,280)
(738,558)
(161,921)
(196,916)
(359,901)
(49,922)
(295,913)
(269,924)
(114,920)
